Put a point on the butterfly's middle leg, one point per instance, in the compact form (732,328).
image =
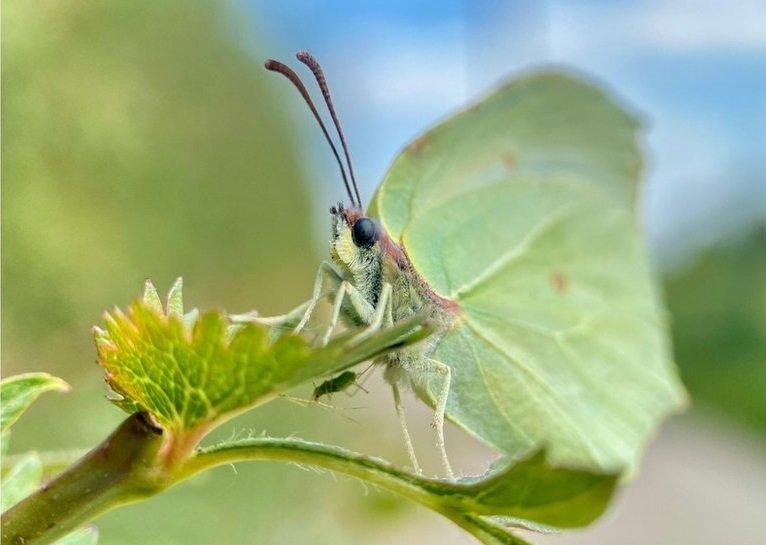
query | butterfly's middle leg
(375,317)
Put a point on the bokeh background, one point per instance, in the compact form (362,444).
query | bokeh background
(144,139)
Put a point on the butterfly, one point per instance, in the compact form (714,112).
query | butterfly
(512,225)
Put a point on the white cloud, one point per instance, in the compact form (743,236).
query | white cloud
(703,24)
(680,26)
(410,67)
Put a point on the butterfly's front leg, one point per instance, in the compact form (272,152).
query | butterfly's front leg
(326,282)
(361,306)
(279,322)
(326,274)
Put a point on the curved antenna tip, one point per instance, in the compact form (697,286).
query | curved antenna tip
(308,59)
(276,66)
(304,55)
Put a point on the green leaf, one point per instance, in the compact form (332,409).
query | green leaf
(20,391)
(190,318)
(151,297)
(195,379)
(521,210)
(21,480)
(532,490)
(53,461)
(528,493)
(175,304)
(83,536)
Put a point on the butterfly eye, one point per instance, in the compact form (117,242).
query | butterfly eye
(364,233)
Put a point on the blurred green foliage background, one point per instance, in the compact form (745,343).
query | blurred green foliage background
(141,140)
(718,308)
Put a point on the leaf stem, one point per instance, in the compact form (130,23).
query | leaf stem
(441,496)
(337,459)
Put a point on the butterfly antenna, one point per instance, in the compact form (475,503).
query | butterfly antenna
(286,71)
(306,58)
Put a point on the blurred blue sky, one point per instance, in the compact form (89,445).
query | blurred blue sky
(695,71)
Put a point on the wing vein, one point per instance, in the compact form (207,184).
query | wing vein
(507,417)
(552,394)
(549,222)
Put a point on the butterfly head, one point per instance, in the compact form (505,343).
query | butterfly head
(355,240)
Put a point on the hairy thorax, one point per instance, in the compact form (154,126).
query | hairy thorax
(368,269)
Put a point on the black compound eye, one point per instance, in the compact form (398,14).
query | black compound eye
(364,233)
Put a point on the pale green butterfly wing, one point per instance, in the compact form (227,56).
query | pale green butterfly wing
(521,209)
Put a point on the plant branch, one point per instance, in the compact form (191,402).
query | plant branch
(120,470)
(129,466)
(138,461)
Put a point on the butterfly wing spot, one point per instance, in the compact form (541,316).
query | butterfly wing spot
(417,146)
(559,282)
(509,159)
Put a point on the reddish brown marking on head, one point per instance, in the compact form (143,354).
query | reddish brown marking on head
(559,282)
(351,215)
(509,159)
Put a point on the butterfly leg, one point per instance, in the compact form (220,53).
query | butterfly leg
(281,321)
(364,311)
(443,370)
(326,273)
(374,317)
(381,314)
(405,431)
(326,281)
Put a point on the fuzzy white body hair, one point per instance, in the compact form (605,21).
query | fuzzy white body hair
(367,269)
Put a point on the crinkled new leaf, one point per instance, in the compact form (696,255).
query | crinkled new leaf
(188,374)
